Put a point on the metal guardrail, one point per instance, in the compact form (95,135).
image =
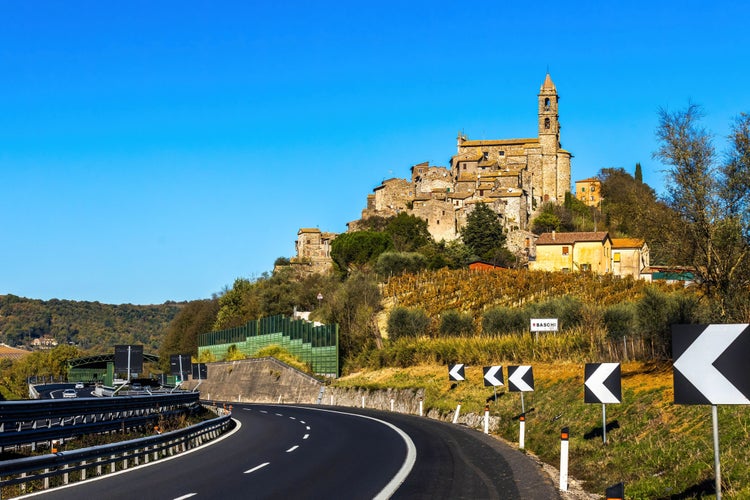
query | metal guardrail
(29,422)
(46,471)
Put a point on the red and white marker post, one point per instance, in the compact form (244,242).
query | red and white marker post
(564,459)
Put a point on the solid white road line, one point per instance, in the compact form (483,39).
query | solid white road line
(409,460)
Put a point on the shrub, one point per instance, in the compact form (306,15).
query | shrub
(456,324)
(499,320)
(619,320)
(396,263)
(568,310)
(403,322)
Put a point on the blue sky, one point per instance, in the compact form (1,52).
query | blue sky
(154,151)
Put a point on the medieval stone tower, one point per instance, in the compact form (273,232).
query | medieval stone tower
(553,179)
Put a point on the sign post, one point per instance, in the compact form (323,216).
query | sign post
(602,384)
(493,376)
(709,368)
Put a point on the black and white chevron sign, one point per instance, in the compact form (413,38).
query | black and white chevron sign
(456,372)
(711,364)
(493,376)
(602,383)
(520,378)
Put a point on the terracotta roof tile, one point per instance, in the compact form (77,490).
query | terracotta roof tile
(571,238)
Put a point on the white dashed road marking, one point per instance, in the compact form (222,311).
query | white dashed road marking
(257,468)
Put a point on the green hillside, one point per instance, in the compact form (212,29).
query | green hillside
(91,326)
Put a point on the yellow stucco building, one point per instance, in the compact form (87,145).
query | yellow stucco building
(578,251)
(589,191)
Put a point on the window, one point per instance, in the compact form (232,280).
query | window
(593,188)
(616,256)
(583,189)
(501,153)
(486,155)
(546,123)
(546,104)
(565,250)
(585,267)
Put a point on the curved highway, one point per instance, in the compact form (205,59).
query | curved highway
(326,452)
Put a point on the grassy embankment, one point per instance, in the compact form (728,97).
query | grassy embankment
(659,449)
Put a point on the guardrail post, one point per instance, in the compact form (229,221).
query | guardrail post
(66,476)
(46,479)
(113,463)
(99,466)
(83,470)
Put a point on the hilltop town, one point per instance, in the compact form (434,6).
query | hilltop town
(514,177)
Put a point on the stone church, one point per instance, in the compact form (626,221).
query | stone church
(512,176)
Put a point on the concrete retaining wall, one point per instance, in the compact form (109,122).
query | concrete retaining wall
(268,380)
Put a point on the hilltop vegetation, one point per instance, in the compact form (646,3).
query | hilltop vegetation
(91,326)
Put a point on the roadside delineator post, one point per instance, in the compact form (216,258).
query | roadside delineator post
(521,431)
(616,492)
(458,411)
(391,404)
(363,401)
(421,407)
(564,434)
(487,419)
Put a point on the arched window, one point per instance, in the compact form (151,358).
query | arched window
(546,104)
(546,123)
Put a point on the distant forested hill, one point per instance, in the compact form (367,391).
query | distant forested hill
(89,325)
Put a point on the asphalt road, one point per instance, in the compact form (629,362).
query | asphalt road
(285,452)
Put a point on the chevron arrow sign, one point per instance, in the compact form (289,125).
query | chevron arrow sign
(456,372)
(493,375)
(710,364)
(520,378)
(602,383)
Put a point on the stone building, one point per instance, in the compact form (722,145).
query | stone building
(512,176)
(313,251)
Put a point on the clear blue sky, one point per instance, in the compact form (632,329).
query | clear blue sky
(155,151)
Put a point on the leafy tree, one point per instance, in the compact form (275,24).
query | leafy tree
(353,306)
(404,322)
(500,320)
(408,232)
(712,200)
(545,222)
(358,249)
(196,317)
(632,209)
(456,324)
(394,263)
(483,233)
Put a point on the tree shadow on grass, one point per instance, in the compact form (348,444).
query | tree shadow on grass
(597,431)
(707,487)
